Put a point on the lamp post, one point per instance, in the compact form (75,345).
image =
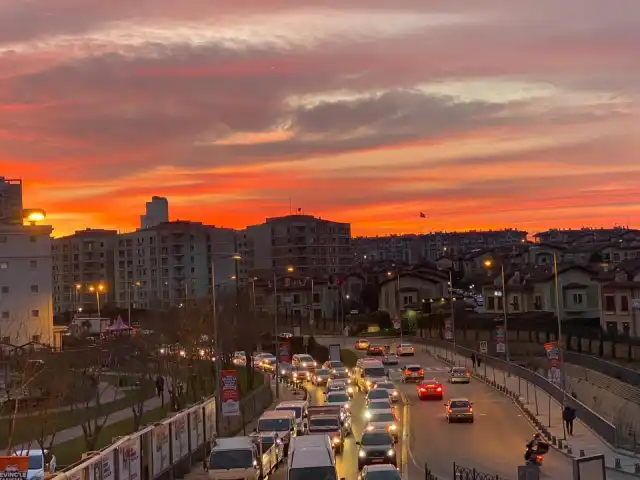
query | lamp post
(505,304)
(216,337)
(131,288)
(77,298)
(453,315)
(389,274)
(97,290)
(560,342)
(275,328)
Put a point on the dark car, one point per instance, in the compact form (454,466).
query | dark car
(375,350)
(376,447)
(430,389)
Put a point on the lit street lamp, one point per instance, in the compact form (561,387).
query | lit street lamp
(275,327)
(505,303)
(390,274)
(131,288)
(97,290)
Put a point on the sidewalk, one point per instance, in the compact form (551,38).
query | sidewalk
(547,414)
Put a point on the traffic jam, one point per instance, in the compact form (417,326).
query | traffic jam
(310,437)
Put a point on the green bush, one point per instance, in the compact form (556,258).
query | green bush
(348,357)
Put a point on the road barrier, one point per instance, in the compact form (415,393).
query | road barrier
(595,422)
(427,473)
(464,473)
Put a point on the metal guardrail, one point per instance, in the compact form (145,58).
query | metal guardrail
(605,367)
(599,425)
(464,473)
(427,473)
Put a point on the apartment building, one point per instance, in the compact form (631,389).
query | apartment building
(435,245)
(82,261)
(156,212)
(170,264)
(313,246)
(395,248)
(10,201)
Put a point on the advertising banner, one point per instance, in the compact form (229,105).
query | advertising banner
(448,329)
(14,468)
(180,436)
(129,454)
(553,354)
(160,448)
(103,466)
(284,352)
(229,394)
(196,428)
(500,339)
(210,419)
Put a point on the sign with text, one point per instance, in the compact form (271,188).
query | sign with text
(500,336)
(484,348)
(229,394)
(448,329)
(196,428)
(180,444)
(14,468)
(553,354)
(160,448)
(129,453)
(284,352)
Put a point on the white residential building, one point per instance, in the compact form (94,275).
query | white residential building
(26,309)
(164,266)
(157,212)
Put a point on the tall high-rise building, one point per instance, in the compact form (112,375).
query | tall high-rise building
(312,246)
(157,212)
(83,260)
(10,201)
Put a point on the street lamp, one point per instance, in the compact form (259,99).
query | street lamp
(132,287)
(77,297)
(275,327)
(562,371)
(489,263)
(97,290)
(453,316)
(390,274)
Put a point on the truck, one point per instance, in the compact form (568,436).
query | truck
(334,353)
(246,458)
(328,421)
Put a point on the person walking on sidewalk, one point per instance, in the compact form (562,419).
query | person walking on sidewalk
(568,415)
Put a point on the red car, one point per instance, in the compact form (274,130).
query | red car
(430,389)
(375,350)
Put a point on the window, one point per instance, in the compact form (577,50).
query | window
(34,288)
(296,298)
(5,315)
(577,299)
(626,328)
(624,303)
(537,302)
(33,239)
(316,297)
(4,265)
(516,303)
(5,289)
(35,313)
(610,303)
(499,303)
(491,303)
(33,264)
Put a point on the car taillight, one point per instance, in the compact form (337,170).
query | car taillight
(421,372)
(468,374)
(450,411)
(423,389)
(470,409)
(439,389)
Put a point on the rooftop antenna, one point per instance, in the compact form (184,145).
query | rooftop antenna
(290,206)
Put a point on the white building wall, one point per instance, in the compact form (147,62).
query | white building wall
(26,308)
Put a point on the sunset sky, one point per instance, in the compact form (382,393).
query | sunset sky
(479,113)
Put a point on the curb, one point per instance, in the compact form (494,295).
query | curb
(557,444)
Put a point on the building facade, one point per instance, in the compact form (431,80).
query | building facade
(395,248)
(10,201)
(170,264)
(83,261)
(435,245)
(26,309)
(312,246)
(156,212)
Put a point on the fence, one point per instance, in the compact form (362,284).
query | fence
(627,375)
(599,425)
(165,450)
(464,473)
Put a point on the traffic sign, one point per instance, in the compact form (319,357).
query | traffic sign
(483,347)
(396,324)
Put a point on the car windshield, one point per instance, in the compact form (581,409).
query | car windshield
(297,410)
(383,417)
(429,383)
(414,369)
(379,406)
(374,372)
(305,358)
(340,375)
(459,404)
(226,459)
(313,473)
(375,438)
(274,425)
(337,398)
(459,370)
(35,462)
(383,475)
(374,345)
(323,372)
(336,364)
(385,386)
(391,354)
(324,422)
(377,394)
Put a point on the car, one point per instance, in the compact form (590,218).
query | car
(299,407)
(334,399)
(378,394)
(394,394)
(376,447)
(383,420)
(459,410)
(412,373)
(337,386)
(379,472)
(405,349)
(258,357)
(269,364)
(362,344)
(321,377)
(375,350)
(368,372)
(390,359)
(430,389)
(239,359)
(303,360)
(374,405)
(299,374)
(459,375)
(336,368)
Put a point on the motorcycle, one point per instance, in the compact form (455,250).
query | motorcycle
(534,459)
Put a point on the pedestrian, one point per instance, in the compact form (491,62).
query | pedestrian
(473,360)
(159,385)
(568,415)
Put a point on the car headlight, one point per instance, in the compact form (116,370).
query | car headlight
(395,393)
(347,406)
(391,452)
(304,364)
(367,414)
(315,364)
(333,371)
(295,375)
(350,390)
(370,428)
(336,439)
(282,372)
(393,428)
(368,383)
(362,454)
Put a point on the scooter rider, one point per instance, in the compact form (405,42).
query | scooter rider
(532,446)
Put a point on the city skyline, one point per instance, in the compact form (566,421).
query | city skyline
(483,115)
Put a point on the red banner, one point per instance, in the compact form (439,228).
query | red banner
(553,354)
(229,393)
(284,352)
(14,468)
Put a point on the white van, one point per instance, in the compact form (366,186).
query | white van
(368,373)
(235,458)
(312,458)
(300,408)
(283,422)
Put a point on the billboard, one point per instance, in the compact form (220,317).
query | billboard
(180,436)
(103,466)
(229,393)
(196,428)
(160,448)
(14,468)
(500,334)
(129,454)
(284,352)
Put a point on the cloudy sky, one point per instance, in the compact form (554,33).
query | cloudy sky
(482,114)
